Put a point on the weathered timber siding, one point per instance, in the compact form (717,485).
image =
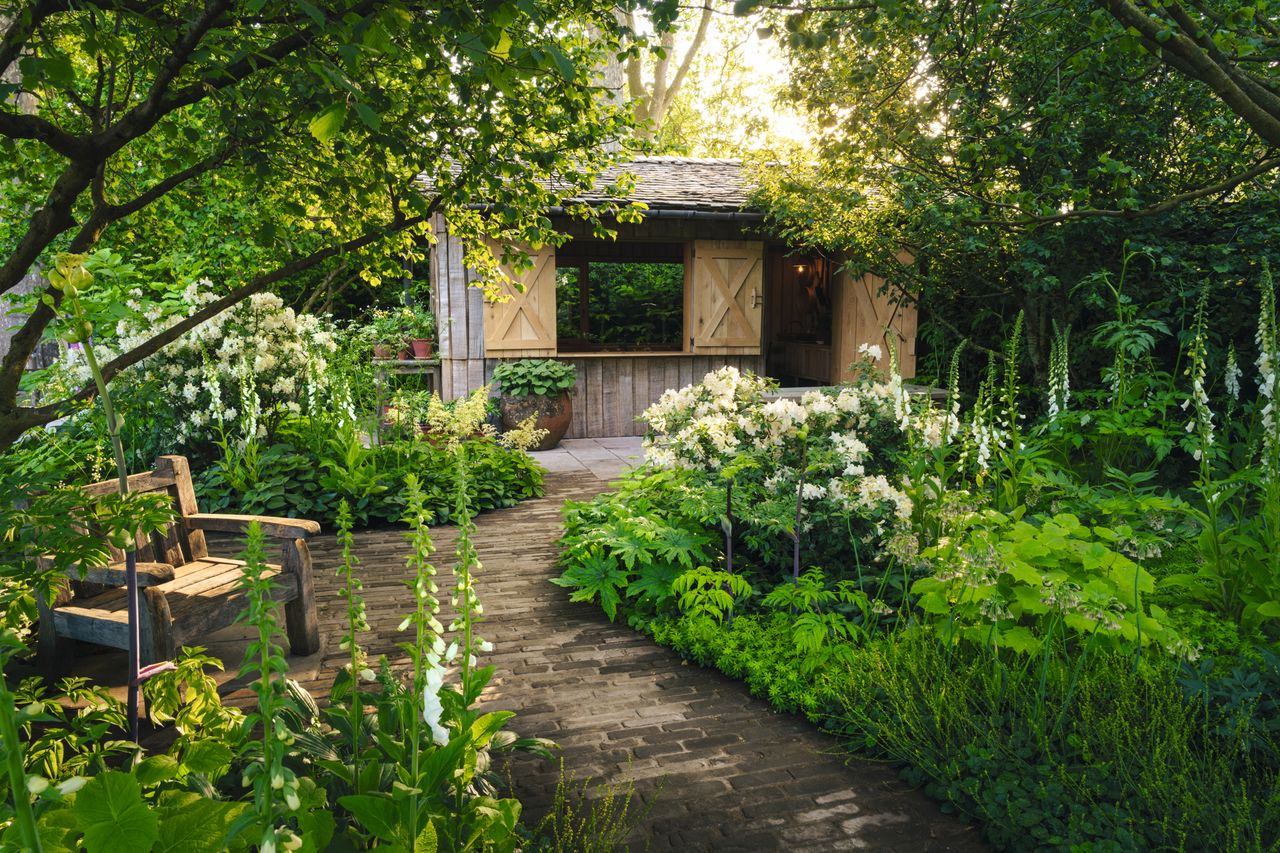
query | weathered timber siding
(613,391)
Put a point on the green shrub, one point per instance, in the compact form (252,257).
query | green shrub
(299,479)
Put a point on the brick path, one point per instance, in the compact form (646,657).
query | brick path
(733,775)
(722,770)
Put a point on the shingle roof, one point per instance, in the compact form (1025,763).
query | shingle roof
(681,183)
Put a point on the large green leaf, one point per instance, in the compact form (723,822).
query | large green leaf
(377,813)
(110,812)
(426,842)
(326,125)
(193,824)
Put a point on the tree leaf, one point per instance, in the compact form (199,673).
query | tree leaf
(326,125)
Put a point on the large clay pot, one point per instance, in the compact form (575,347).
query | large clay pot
(554,415)
(421,347)
(384,351)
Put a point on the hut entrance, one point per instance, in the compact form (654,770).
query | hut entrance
(798,325)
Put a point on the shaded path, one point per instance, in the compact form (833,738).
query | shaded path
(734,775)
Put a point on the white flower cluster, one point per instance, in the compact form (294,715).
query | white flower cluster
(706,426)
(1268,363)
(234,372)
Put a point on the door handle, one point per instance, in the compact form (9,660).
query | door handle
(757,298)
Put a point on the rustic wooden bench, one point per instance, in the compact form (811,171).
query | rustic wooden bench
(185,592)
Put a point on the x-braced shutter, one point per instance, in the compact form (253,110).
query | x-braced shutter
(524,324)
(728,282)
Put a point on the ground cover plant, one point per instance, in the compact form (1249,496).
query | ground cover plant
(1057,612)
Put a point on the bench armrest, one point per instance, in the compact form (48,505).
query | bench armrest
(277,528)
(149,574)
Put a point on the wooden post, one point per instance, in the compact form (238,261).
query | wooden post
(156,640)
(301,622)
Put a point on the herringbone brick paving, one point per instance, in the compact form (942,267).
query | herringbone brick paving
(727,771)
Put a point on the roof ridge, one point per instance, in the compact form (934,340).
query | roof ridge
(676,158)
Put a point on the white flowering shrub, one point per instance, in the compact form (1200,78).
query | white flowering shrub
(234,377)
(819,446)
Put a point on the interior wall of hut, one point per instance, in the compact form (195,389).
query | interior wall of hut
(799,313)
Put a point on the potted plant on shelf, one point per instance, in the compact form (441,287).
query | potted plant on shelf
(537,387)
(420,325)
(387,329)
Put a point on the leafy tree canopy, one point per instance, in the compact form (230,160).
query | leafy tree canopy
(254,140)
(1014,147)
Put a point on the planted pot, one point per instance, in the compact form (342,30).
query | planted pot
(553,412)
(384,351)
(403,355)
(422,347)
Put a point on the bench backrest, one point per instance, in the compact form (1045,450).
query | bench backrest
(176,545)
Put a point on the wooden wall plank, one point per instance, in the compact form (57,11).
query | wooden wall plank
(639,395)
(609,396)
(595,390)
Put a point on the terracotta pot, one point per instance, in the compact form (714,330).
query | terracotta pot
(554,415)
(383,351)
(422,347)
(403,355)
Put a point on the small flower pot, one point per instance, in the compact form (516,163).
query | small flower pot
(403,355)
(554,414)
(383,351)
(422,347)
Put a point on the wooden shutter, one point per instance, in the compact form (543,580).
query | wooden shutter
(728,282)
(525,324)
(865,315)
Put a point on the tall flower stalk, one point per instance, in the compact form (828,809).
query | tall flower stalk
(427,649)
(357,622)
(23,815)
(1059,372)
(275,786)
(70,276)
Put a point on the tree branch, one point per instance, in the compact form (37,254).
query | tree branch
(1184,54)
(18,419)
(213,309)
(26,126)
(704,24)
(1223,186)
(22,25)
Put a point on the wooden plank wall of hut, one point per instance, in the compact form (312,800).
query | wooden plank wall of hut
(459,311)
(613,391)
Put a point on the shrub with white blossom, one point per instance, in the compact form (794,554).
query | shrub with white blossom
(235,376)
(820,461)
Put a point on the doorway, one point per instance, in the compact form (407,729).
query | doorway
(799,309)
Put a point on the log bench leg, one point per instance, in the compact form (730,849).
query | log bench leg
(156,628)
(301,622)
(54,654)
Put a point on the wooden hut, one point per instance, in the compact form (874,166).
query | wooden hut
(697,285)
